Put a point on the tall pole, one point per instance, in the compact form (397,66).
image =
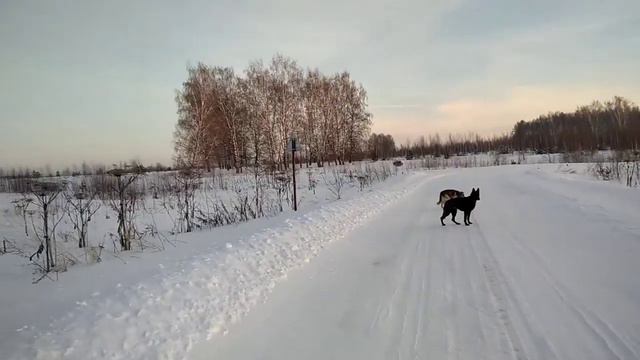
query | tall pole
(293,163)
(45,213)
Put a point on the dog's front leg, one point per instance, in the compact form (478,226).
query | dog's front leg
(453,217)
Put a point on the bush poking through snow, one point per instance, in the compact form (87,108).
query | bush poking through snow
(335,182)
(623,167)
(124,201)
(44,195)
(82,207)
(187,181)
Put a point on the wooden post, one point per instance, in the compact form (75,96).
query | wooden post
(293,163)
(293,146)
(45,213)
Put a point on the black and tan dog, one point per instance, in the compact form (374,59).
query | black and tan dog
(464,204)
(448,194)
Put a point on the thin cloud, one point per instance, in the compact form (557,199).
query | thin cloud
(397,106)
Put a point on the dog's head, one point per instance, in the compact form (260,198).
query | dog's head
(475,194)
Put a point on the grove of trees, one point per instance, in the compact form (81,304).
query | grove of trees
(614,124)
(381,146)
(611,125)
(234,121)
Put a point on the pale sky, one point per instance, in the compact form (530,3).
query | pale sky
(96,80)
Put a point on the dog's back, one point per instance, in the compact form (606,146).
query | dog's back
(446,195)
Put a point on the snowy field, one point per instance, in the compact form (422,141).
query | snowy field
(547,271)
(222,198)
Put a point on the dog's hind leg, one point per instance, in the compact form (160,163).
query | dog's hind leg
(445,213)
(453,218)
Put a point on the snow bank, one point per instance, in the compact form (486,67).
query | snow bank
(194,299)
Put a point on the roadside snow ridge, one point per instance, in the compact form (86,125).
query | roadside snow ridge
(163,317)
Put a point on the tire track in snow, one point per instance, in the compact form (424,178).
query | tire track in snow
(478,293)
(606,335)
(404,302)
(495,282)
(452,299)
(386,309)
(423,302)
(518,306)
(405,308)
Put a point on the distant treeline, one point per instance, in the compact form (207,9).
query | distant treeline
(613,125)
(609,125)
(84,169)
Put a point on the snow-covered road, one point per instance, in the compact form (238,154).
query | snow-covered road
(549,270)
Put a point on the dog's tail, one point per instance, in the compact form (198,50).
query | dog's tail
(439,202)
